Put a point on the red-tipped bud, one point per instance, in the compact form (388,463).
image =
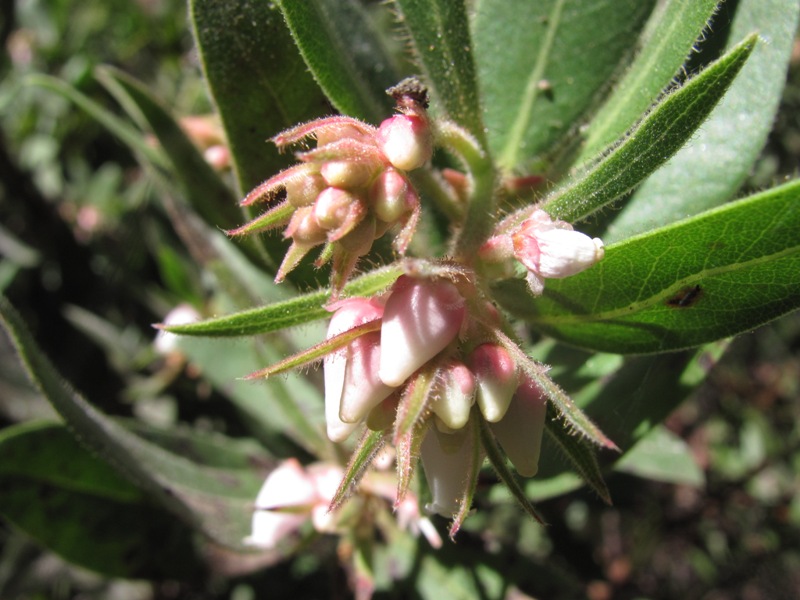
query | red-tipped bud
(457,389)
(421,318)
(520,430)
(497,378)
(406,141)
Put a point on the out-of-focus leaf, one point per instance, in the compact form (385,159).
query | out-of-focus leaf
(541,65)
(713,166)
(257,78)
(217,502)
(626,399)
(76,505)
(662,456)
(132,137)
(669,36)
(345,54)
(440,33)
(670,124)
(207,193)
(276,409)
(288,313)
(708,277)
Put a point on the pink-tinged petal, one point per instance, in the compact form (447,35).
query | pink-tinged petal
(287,485)
(497,378)
(332,207)
(269,528)
(521,429)
(563,252)
(457,388)
(363,390)
(349,313)
(406,141)
(551,249)
(420,320)
(446,460)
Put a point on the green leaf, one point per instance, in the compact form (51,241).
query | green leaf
(345,54)
(668,38)
(719,158)
(207,193)
(76,505)
(289,313)
(257,78)
(276,409)
(217,502)
(708,277)
(366,450)
(439,32)
(663,456)
(670,124)
(541,65)
(131,136)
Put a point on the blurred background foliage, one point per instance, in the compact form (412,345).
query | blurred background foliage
(90,258)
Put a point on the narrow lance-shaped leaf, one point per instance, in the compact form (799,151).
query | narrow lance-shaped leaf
(366,450)
(345,54)
(440,33)
(712,167)
(574,417)
(257,78)
(668,38)
(498,462)
(215,501)
(206,191)
(289,313)
(542,65)
(580,454)
(670,124)
(708,277)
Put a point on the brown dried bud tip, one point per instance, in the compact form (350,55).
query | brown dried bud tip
(410,90)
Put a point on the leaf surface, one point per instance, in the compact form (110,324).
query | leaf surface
(710,169)
(542,64)
(345,54)
(699,280)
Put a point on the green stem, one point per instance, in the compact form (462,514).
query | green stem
(480,216)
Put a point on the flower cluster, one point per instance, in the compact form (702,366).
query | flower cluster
(548,249)
(293,495)
(351,188)
(425,360)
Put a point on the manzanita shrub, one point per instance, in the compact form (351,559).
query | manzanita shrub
(488,206)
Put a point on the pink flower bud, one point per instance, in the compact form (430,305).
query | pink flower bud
(406,141)
(551,249)
(303,228)
(332,207)
(303,189)
(288,486)
(497,378)
(352,386)
(457,395)
(420,319)
(347,174)
(392,197)
(520,431)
